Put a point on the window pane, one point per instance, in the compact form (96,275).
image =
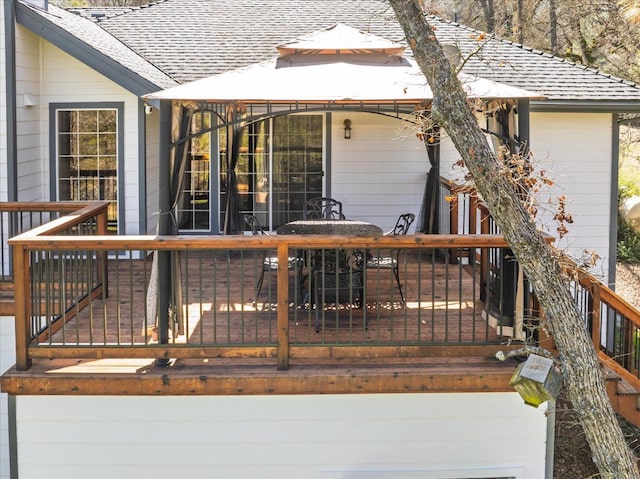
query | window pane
(107,120)
(87,144)
(87,120)
(87,157)
(107,143)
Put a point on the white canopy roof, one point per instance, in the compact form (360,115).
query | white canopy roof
(337,65)
(340,39)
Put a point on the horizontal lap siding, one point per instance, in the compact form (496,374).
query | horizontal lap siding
(575,150)
(3,111)
(380,172)
(32,181)
(153,170)
(69,81)
(7,359)
(276,436)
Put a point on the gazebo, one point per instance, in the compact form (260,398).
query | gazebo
(336,69)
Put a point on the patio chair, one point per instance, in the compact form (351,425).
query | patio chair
(322,208)
(392,260)
(269,258)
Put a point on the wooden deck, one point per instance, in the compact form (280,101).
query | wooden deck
(442,306)
(438,341)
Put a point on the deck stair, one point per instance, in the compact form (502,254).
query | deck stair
(624,398)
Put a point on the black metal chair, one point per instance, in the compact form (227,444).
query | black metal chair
(269,258)
(322,208)
(391,261)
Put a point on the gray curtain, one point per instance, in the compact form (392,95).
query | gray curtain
(430,217)
(184,116)
(232,223)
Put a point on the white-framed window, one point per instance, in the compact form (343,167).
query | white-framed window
(87,152)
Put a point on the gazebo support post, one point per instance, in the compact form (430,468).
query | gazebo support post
(164,227)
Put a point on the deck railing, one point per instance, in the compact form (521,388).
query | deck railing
(18,217)
(613,323)
(64,309)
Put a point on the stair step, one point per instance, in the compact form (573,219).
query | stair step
(625,399)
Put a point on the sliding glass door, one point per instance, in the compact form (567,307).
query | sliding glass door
(280,166)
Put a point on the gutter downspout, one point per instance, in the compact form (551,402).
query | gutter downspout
(613,211)
(551,439)
(10,66)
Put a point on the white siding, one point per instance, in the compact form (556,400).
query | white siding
(7,359)
(575,151)
(306,436)
(7,343)
(3,110)
(32,179)
(67,80)
(380,172)
(575,148)
(153,169)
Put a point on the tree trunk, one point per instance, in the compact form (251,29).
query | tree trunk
(520,10)
(553,26)
(489,15)
(579,363)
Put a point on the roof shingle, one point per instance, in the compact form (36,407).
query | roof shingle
(190,40)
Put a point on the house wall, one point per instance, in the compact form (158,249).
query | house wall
(575,148)
(65,79)
(51,76)
(152,162)
(7,342)
(380,172)
(7,359)
(32,180)
(3,109)
(575,151)
(310,436)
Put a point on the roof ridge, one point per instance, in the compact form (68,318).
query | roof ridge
(100,13)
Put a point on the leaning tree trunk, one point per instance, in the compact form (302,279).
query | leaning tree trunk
(579,363)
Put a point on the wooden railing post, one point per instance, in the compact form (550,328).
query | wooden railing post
(453,212)
(473,213)
(594,307)
(23,306)
(484,254)
(283,306)
(103,256)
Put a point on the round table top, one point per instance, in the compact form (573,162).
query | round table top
(330,227)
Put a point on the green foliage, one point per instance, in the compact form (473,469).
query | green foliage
(628,242)
(628,183)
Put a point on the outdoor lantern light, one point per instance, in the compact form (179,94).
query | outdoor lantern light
(536,380)
(347,129)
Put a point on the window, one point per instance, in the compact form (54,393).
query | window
(280,166)
(87,157)
(194,204)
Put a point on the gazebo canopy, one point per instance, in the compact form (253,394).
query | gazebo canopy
(339,65)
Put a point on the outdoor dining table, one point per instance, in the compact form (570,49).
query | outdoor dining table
(330,227)
(325,267)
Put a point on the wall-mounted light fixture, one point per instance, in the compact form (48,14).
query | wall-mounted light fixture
(347,129)
(29,100)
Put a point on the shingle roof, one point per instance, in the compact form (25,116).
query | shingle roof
(192,40)
(189,40)
(98,41)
